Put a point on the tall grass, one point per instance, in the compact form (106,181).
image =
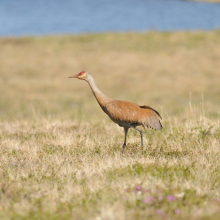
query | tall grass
(60,154)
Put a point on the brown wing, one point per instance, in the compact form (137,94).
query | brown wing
(123,112)
(148,107)
(151,118)
(128,113)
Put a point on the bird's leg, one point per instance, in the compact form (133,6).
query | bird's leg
(124,145)
(141,133)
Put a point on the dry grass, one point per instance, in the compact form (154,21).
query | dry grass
(61,156)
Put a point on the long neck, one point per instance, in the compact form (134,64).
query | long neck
(100,97)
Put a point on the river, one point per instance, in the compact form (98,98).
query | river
(40,17)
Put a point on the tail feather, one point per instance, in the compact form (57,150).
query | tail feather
(148,107)
(152,119)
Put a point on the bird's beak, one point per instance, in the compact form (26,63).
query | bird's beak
(75,76)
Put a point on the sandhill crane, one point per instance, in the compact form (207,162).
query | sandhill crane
(125,114)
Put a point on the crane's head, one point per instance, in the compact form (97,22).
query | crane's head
(82,75)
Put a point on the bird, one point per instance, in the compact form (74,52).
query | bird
(124,113)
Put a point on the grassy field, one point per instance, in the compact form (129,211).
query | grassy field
(61,155)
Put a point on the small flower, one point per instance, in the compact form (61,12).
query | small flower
(138,188)
(171,198)
(218,199)
(160,197)
(177,211)
(149,199)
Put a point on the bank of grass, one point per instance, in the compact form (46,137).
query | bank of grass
(217,1)
(209,0)
(61,155)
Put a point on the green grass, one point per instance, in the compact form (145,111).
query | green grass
(61,155)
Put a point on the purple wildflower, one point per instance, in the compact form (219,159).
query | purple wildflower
(171,198)
(149,199)
(160,197)
(177,211)
(138,188)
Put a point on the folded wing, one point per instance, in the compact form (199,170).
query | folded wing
(131,114)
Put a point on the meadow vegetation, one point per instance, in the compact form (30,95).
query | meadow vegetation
(61,155)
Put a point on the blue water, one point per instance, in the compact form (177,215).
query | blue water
(42,17)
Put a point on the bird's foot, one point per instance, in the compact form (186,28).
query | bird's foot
(123,147)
